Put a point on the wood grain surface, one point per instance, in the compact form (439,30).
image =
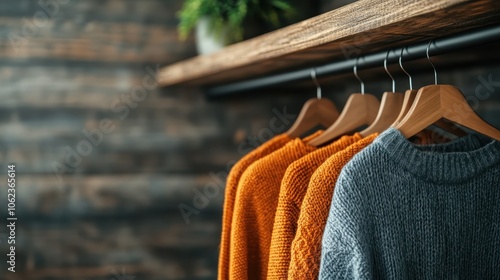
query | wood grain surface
(361,27)
(115,214)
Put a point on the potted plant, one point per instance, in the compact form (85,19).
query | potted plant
(221,22)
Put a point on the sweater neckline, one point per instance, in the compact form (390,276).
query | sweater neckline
(451,162)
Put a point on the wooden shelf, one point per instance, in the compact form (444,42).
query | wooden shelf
(361,27)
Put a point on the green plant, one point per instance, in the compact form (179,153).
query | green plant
(229,15)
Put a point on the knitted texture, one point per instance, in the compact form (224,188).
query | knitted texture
(254,210)
(292,191)
(306,246)
(402,211)
(230,194)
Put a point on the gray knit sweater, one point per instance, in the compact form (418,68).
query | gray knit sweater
(402,211)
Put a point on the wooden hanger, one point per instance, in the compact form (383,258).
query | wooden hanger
(411,94)
(390,108)
(408,99)
(315,112)
(443,101)
(360,109)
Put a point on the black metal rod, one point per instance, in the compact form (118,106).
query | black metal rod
(439,46)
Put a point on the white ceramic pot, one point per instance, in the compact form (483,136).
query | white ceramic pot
(207,41)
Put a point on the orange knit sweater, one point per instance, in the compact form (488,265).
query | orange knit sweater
(230,195)
(306,246)
(293,189)
(254,210)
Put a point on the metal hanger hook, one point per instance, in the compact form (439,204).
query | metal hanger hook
(430,61)
(355,70)
(316,83)
(388,73)
(401,65)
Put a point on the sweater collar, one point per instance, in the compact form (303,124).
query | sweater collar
(452,162)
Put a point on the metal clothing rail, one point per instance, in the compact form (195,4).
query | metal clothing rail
(439,46)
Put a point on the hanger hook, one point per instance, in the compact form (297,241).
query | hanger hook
(355,70)
(401,65)
(388,73)
(429,58)
(316,83)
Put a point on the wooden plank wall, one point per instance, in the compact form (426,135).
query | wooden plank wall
(115,210)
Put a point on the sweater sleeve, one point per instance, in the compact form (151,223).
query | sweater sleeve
(345,252)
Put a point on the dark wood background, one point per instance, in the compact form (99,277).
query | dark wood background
(115,214)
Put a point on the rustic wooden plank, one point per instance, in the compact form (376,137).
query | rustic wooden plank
(94,32)
(62,86)
(159,52)
(155,246)
(117,195)
(119,207)
(146,12)
(167,161)
(98,31)
(354,29)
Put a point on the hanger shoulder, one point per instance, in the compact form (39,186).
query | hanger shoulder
(408,99)
(360,109)
(443,101)
(390,107)
(314,112)
(326,111)
(425,111)
(455,108)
